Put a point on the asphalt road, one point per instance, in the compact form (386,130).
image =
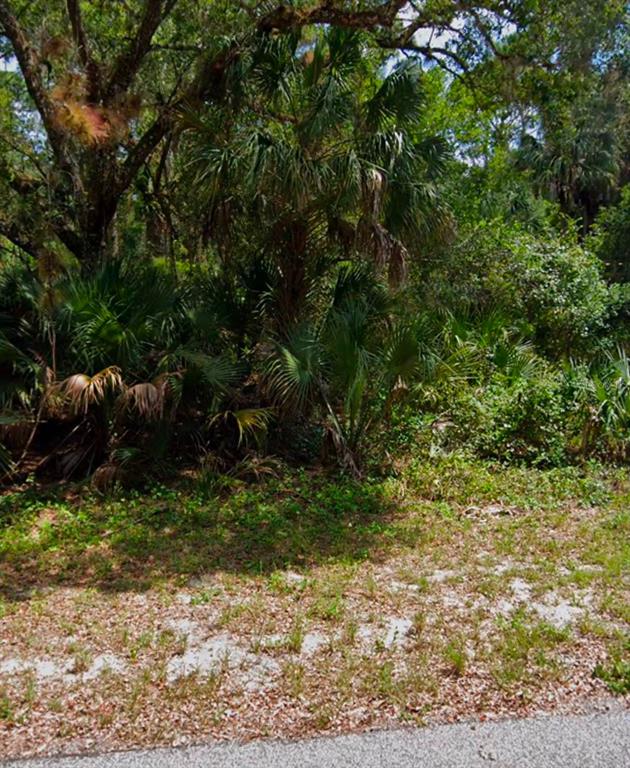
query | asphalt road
(584,741)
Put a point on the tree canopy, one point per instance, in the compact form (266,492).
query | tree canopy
(95,93)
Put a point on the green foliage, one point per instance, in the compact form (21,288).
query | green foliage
(548,284)
(611,238)
(607,391)
(522,422)
(233,233)
(616,672)
(300,519)
(456,479)
(563,293)
(290,520)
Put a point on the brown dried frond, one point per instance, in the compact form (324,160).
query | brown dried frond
(50,264)
(374,185)
(105,477)
(384,249)
(254,468)
(83,391)
(145,398)
(398,259)
(375,240)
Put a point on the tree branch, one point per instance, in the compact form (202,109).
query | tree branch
(433,52)
(128,63)
(143,149)
(206,84)
(14,234)
(83,49)
(284,18)
(30,65)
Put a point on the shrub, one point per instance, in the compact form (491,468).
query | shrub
(522,422)
(548,285)
(563,293)
(611,238)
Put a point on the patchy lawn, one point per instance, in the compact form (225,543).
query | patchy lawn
(310,604)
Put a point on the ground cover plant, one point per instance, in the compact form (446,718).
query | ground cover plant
(314,365)
(306,604)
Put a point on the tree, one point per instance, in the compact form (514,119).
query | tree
(101,87)
(334,164)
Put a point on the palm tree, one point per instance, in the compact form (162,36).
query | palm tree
(577,162)
(326,166)
(350,367)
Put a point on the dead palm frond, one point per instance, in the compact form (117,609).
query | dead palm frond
(83,391)
(146,399)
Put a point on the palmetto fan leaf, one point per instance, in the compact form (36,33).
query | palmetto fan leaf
(294,372)
(330,105)
(398,99)
(5,459)
(218,372)
(250,422)
(113,316)
(11,354)
(348,338)
(612,393)
(401,357)
(274,63)
(7,421)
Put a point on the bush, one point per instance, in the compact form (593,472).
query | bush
(611,238)
(563,294)
(523,423)
(533,416)
(550,286)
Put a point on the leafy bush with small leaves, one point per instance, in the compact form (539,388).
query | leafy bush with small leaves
(549,286)
(521,422)
(610,238)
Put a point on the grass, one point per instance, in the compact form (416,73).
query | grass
(132,541)
(616,671)
(455,655)
(309,555)
(525,647)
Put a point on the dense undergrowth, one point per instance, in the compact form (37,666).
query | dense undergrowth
(112,375)
(350,277)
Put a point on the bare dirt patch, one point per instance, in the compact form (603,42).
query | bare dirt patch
(446,616)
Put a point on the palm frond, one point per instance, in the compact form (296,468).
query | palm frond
(399,98)
(218,372)
(82,390)
(250,422)
(293,372)
(146,399)
(401,355)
